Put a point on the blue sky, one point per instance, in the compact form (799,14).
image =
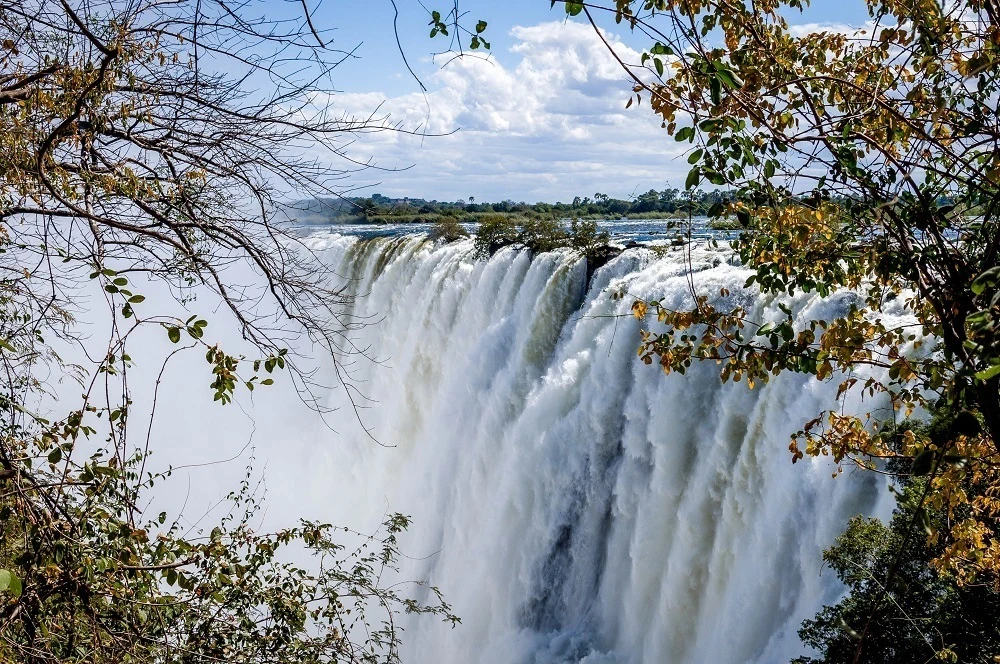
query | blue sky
(542,119)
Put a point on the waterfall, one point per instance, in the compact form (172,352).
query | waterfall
(573,504)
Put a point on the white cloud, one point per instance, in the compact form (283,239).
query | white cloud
(546,121)
(806,29)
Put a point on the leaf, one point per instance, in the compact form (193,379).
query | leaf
(574,8)
(480,27)
(9,582)
(987,279)
(693,178)
(986,374)
(174,333)
(695,156)
(923,463)
(715,88)
(729,78)
(966,424)
(925,521)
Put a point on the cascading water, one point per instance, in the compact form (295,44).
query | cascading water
(573,504)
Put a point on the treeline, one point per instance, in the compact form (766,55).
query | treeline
(670,202)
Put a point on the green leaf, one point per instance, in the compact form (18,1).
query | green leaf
(715,88)
(729,78)
(695,156)
(925,521)
(10,583)
(986,374)
(923,463)
(480,27)
(693,178)
(174,333)
(55,456)
(987,279)
(574,8)
(136,299)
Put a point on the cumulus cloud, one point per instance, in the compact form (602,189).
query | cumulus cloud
(544,121)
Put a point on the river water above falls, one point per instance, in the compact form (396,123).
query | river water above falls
(573,504)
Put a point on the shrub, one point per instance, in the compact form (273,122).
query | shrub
(493,234)
(448,229)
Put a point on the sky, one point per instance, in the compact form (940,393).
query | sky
(543,118)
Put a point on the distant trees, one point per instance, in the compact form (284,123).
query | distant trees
(670,202)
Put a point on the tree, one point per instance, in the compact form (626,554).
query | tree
(922,615)
(151,141)
(868,162)
(448,229)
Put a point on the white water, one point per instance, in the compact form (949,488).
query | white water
(573,504)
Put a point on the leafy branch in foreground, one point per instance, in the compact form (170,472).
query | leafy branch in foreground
(921,616)
(93,584)
(864,162)
(143,147)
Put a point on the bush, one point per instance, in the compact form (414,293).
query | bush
(541,235)
(495,233)
(725,225)
(899,608)
(585,236)
(448,229)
